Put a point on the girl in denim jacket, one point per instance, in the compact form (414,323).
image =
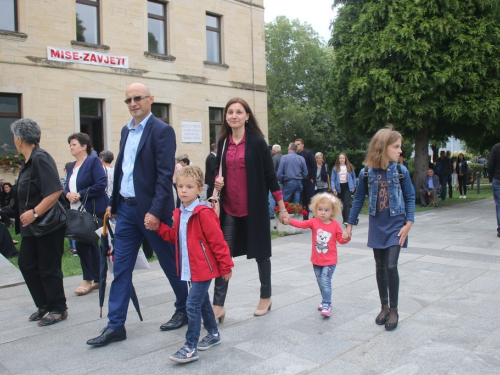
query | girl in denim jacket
(391,215)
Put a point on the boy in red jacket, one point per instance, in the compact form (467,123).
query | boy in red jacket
(202,254)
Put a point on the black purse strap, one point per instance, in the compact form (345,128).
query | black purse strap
(84,202)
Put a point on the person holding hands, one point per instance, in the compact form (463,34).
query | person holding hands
(326,232)
(202,254)
(391,204)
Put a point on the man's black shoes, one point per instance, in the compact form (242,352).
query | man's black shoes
(107,336)
(178,320)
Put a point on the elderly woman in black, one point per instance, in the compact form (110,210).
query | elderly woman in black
(7,204)
(38,190)
(246,178)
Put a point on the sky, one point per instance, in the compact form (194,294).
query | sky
(317,13)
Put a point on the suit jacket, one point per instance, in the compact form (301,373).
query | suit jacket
(435,181)
(153,170)
(210,167)
(310,163)
(90,176)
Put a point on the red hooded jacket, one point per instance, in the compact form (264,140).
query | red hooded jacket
(209,255)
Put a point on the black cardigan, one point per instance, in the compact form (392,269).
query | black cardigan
(260,179)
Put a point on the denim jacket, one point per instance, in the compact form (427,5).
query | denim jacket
(351,179)
(401,198)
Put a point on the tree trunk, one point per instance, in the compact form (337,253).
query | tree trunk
(435,154)
(421,159)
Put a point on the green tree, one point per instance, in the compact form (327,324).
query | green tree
(297,64)
(152,43)
(431,68)
(80,29)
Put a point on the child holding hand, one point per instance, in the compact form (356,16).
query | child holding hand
(326,232)
(202,254)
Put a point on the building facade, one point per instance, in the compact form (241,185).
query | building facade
(67,64)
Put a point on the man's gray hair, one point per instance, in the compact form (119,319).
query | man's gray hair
(292,146)
(318,155)
(27,129)
(107,156)
(277,148)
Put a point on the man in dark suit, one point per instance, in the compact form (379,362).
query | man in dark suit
(210,167)
(142,197)
(308,183)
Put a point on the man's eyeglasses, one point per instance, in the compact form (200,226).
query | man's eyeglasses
(136,99)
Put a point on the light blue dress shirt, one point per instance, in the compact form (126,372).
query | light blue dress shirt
(430,183)
(127,189)
(186,213)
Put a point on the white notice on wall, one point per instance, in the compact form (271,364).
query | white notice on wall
(191,131)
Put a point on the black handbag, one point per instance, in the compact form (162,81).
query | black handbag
(50,221)
(81,225)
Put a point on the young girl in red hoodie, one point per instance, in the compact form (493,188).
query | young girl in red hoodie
(326,232)
(202,254)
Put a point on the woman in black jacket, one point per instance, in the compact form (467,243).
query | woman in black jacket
(246,178)
(462,175)
(40,257)
(7,204)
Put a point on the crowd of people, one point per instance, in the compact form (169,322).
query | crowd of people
(195,243)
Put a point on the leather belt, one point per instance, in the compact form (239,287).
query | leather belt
(129,201)
(294,179)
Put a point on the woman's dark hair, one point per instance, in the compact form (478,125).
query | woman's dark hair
(9,194)
(186,161)
(251,125)
(463,157)
(83,139)
(107,156)
(66,166)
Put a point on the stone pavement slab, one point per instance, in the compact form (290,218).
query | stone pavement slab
(9,274)
(449,303)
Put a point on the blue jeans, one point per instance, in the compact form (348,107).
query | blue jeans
(496,195)
(198,307)
(292,190)
(443,180)
(324,276)
(272,203)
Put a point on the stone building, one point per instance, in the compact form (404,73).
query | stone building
(67,65)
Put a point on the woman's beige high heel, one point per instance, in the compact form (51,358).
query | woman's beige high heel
(264,307)
(219,312)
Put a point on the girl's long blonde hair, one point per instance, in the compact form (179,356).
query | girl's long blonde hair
(376,156)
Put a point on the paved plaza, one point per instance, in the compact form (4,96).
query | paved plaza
(449,313)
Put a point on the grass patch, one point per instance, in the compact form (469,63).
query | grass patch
(70,264)
(472,196)
(275,234)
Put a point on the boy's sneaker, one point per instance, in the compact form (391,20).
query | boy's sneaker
(208,341)
(185,355)
(326,311)
(74,252)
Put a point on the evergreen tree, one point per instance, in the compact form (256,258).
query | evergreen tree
(431,68)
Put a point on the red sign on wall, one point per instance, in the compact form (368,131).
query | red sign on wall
(86,57)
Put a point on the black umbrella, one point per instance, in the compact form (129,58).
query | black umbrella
(108,251)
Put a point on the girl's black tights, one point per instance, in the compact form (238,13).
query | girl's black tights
(386,266)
